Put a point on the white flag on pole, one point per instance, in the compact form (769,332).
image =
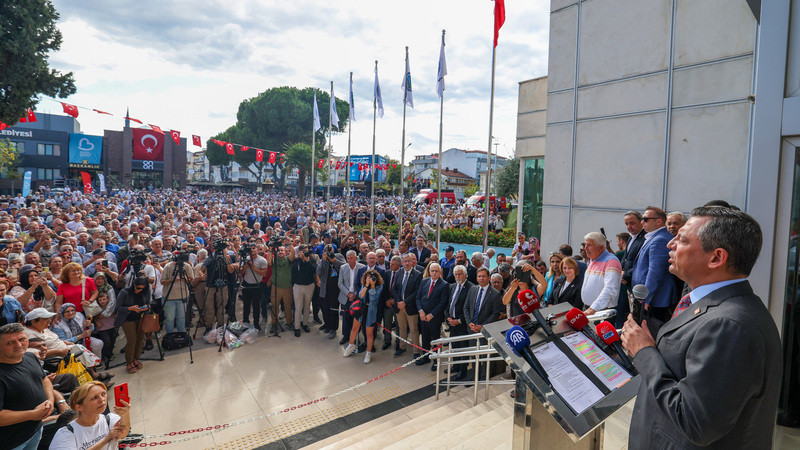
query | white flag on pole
(408,98)
(317,126)
(442,71)
(352,103)
(377,93)
(102,179)
(334,115)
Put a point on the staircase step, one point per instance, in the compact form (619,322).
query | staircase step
(466,431)
(430,436)
(490,437)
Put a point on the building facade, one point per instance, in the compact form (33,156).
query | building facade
(469,162)
(531,125)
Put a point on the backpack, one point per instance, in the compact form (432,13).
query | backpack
(176,340)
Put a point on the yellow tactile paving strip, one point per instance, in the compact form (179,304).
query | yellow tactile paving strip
(312,420)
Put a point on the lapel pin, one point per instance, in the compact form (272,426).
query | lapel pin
(697,311)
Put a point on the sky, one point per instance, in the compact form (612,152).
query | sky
(188,64)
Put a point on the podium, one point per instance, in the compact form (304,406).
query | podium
(563,418)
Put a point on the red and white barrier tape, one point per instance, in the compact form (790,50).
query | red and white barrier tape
(405,340)
(205,431)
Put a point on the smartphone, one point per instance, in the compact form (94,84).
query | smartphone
(104,263)
(121,393)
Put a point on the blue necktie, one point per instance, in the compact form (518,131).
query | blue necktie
(478,303)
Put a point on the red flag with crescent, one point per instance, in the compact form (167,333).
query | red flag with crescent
(386,167)
(101,112)
(338,165)
(218,142)
(245,148)
(72,110)
(176,136)
(272,157)
(394,166)
(28,117)
(87,182)
(156,128)
(3,126)
(229,148)
(133,120)
(148,145)
(321,163)
(196,140)
(259,155)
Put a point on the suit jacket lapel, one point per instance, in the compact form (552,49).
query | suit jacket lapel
(700,307)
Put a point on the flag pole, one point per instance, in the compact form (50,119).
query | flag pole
(372,173)
(402,163)
(487,199)
(330,148)
(313,149)
(439,195)
(347,164)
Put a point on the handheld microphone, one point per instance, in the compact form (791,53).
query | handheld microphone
(640,293)
(609,335)
(520,342)
(529,302)
(578,320)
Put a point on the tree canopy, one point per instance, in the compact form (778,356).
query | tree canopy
(274,121)
(506,180)
(28,34)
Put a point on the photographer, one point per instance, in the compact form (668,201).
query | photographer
(328,283)
(217,269)
(177,288)
(282,281)
(131,303)
(254,268)
(303,272)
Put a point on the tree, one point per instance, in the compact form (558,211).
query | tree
(393,174)
(470,190)
(272,121)
(506,180)
(435,180)
(28,34)
(9,160)
(298,156)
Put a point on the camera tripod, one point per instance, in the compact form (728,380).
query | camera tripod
(179,273)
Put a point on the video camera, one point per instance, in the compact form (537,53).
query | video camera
(220,245)
(180,257)
(245,250)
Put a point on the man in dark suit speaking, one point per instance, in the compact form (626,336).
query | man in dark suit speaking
(712,376)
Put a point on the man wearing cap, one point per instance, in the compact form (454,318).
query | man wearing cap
(448,262)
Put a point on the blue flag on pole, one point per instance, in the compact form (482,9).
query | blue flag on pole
(352,102)
(334,115)
(377,92)
(317,126)
(26,183)
(408,98)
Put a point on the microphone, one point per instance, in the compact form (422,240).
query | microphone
(529,302)
(524,321)
(520,342)
(610,336)
(640,293)
(578,320)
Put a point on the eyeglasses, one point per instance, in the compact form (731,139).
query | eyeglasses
(645,219)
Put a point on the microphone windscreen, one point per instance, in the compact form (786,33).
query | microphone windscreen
(607,332)
(577,319)
(517,339)
(528,301)
(640,291)
(521,319)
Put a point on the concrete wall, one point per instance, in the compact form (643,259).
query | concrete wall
(531,117)
(647,104)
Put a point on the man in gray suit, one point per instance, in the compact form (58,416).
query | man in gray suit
(347,292)
(712,377)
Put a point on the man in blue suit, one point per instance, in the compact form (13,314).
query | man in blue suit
(432,298)
(652,265)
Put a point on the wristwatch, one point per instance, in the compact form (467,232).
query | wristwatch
(60,402)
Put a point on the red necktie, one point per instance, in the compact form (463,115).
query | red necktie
(433,283)
(682,305)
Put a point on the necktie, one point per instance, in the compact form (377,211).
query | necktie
(405,280)
(433,283)
(478,302)
(683,304)
(453,302)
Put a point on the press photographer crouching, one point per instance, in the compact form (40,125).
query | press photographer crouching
(176,278)
(254,268)
(131,303)
(217,269)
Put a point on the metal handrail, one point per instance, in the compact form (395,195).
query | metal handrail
(450,339)
(456,354)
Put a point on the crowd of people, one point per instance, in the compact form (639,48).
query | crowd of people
(76,270)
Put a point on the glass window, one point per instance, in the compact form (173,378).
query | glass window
(40,174)
(56,173)
(19,146)
(56,150)
(531,201)
(48,149)
(48,174)
(40,149)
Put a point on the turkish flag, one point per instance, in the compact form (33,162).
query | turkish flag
(3,126)
(338,164)
(272,157)
(386,167)
(218,142)
(101,112)
(321,163)
(394,166)
(260,155)
(196,140)
(29,117)
(176,136)
(156,128)
(352,164)
(499,17)
(87,182)
(133,120)
(148,145)
(229,148)
(72,110)
(245,148)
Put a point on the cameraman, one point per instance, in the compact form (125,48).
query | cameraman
(304,271)
(254,268)
(282,281)
(217,269)
(328,283)
(177,292)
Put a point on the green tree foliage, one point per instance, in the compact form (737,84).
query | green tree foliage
(273,121)
(470,189)
(393,175)
(298,156)
(28,34)
(9,160)
(506,180)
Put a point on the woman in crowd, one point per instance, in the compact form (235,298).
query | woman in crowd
(33,291)
(553,274)
(76,288)
(10,309)
(370,296)
(568,288)
(93,429)
(407,234)
(131,303)
(530,278)
(74,328)
(104,287)
(104,324)
(54,274)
